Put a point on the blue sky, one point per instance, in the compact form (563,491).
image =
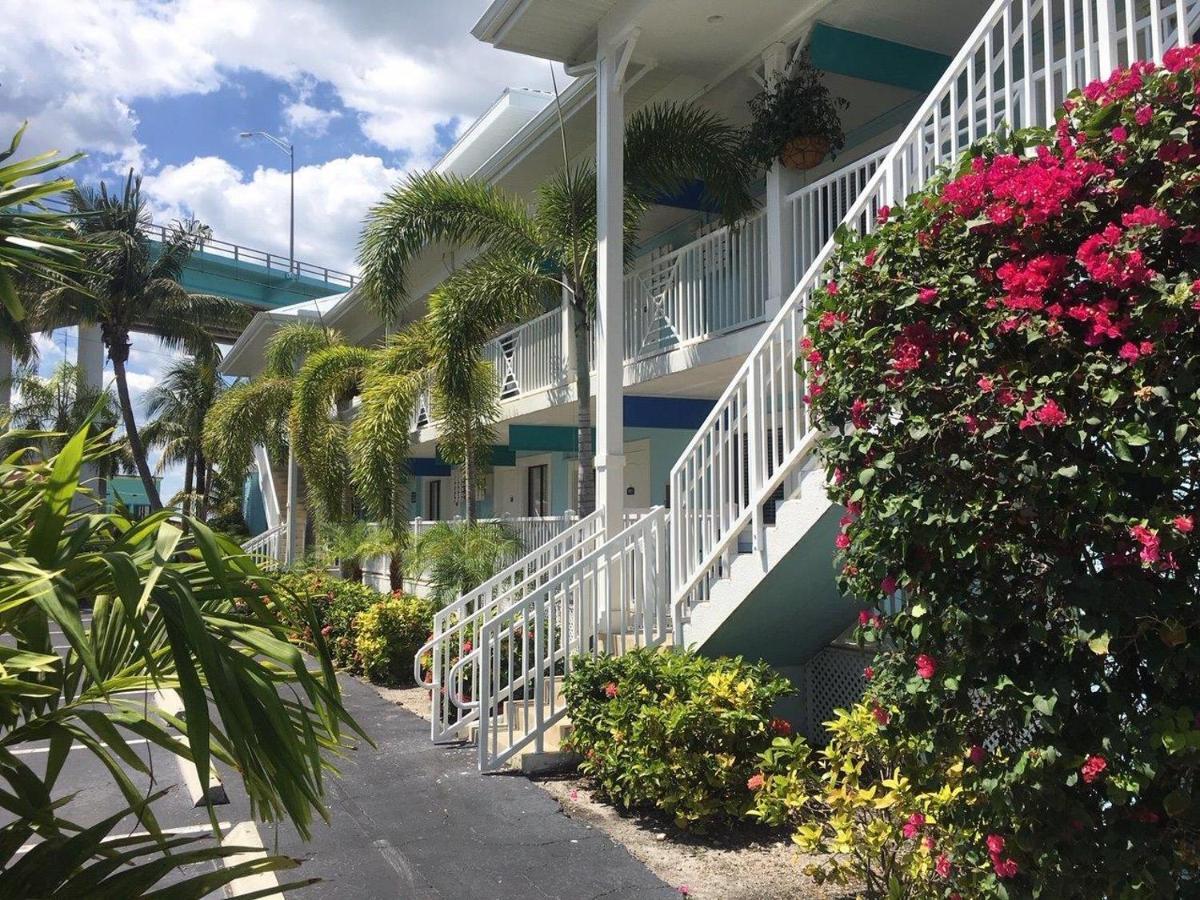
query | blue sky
(367,90)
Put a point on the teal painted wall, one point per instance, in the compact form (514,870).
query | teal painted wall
(666,445)
(253,509)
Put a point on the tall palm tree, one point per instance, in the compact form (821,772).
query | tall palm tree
(526,256)
(133,284)
(457,557)
(177,407)
(61,405)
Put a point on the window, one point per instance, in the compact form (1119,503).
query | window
(433,507)
(538,499)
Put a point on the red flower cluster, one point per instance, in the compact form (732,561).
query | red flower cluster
(755,781)
(1004,866)
(912,346)
(781,727)
(1093,767)
(1149,540)
(611,690)
(1049,414)
(913,826)
(1108,263)
(942,866)
(976,755)
(926,666)
(1036,190)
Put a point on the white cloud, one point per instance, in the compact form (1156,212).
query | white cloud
(401,66)
(331,200)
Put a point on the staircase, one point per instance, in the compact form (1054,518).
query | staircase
(748,492)
(270,547)
(757,444)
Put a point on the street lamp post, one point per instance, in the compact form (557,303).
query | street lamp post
(290,150)
(293,473)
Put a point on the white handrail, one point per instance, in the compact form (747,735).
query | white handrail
(457,624)
(758,434)
(266,549)
(610,600)
(529,357)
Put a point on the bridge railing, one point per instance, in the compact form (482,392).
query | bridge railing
(272,262)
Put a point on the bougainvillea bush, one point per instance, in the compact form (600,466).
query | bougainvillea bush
(674,731)
(1008,371)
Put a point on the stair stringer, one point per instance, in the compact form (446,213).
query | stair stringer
(793,519)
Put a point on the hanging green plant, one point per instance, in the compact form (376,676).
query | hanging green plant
(796,120)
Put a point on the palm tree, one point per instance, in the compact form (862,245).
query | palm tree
(177,407)
(131,284)
(61,405)
(526,257)
(457,557)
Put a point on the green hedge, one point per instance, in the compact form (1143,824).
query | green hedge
(335,603)
(673,731)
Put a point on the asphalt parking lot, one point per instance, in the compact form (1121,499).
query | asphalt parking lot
(407,820)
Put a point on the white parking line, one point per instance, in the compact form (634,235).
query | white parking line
(245,834)
(75,746)
(170,702)
(186,829)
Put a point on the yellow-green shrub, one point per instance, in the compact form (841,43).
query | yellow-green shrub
(389,633)
(673,731)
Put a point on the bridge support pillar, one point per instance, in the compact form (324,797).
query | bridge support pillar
(89,361)
(6,371)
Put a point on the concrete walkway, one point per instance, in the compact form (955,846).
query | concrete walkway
(411,820)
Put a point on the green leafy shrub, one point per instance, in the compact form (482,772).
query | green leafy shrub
(335,604)
(873,827)
(390,633)
(1008,375)
(673,731)
(457,557)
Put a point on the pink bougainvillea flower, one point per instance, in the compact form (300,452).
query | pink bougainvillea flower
(755,781)
(927,294)
(1148,216)
(942,867)
(986,384)
(781,727)
(1150,542)
(574,795)
(831,287)
(976,755)
(1184,524)
(842,542)
(1143,115)
(858,413)
(869,259)
(864,618)
(611,690)
(926,666)
(995,844)
(1051,414)
(882,716)
(884,213)
(889,585)
(869,673)
(1005,868)
(685,890)
(1119,134)
(1093,767)
(913,826)
(467,646)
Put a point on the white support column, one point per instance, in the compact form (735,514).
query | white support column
(612,57)
(293,485)
(780,263)
(569,362)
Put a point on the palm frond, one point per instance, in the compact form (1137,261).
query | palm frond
(431,208)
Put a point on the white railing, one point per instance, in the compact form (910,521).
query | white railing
(755,440)
(267,549)
(532,531)
(710,286)
(266,486)
(456,626)
(817,209)
(609,600)
(528,358)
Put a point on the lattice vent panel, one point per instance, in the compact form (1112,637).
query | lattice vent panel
(833,680)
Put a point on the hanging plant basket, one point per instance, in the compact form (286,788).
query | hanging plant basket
(804,151)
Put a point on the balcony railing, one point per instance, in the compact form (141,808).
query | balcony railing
(528,358)
(711,286)
(818,208)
